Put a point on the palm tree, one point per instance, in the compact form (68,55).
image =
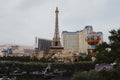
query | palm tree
(103,53)
(115,45)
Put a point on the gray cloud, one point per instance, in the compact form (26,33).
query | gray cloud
(27,4)
(22,20)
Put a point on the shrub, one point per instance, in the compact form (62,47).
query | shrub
(80,76)
(97,75)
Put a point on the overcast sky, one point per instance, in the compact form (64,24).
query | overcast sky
(22,20)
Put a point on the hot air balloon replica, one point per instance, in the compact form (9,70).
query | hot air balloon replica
(92,39)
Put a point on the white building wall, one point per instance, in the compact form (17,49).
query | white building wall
(70,41)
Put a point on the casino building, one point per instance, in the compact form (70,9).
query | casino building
(42,45)
(76,41)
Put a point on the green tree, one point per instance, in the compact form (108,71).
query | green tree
(115,45)
(85,58)
(109,52)
(103,53)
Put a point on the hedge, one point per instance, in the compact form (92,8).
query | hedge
(38,66)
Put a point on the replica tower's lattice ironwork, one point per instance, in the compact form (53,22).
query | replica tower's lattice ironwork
(56,43)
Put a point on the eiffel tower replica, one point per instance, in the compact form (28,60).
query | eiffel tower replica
(56,44)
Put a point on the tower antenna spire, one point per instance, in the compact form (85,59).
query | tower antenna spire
(56,33)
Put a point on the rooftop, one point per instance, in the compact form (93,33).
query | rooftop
(86,27)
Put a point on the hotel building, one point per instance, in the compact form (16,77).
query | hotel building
(76,41)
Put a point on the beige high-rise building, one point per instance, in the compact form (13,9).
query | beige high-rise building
(70,40)
(76,41)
